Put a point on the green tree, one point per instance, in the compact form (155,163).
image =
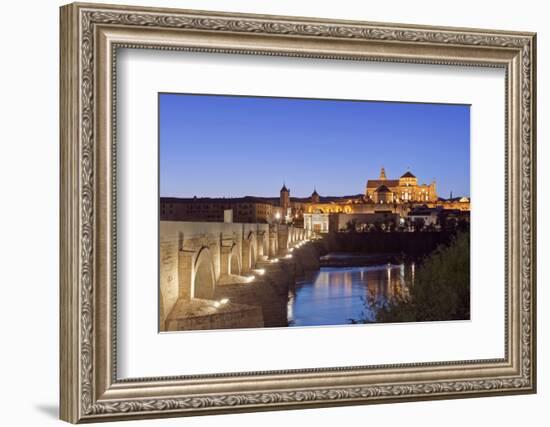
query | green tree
(440,290)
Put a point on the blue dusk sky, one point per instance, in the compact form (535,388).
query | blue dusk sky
(230,146)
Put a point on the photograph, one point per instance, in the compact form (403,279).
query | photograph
(301,212)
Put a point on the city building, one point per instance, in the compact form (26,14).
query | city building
(403,190)
(381,199)
(425,216)
(204,209)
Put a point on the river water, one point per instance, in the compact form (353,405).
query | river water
(334,295)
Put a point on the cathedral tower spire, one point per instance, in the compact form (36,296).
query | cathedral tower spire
(315,198)
(284,197)
(382,174)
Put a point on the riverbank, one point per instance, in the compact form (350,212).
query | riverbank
(353,259)
(411,245)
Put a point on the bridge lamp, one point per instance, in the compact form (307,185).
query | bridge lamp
(288,256)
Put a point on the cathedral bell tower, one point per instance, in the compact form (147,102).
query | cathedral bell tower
(284,198)
(382,174)
(315,196)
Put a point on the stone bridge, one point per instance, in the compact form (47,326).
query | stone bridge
(197,258)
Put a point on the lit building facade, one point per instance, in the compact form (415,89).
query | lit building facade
(393,198)
(317,222)
(204,209)
(381,195)
(403,190)
(316,213)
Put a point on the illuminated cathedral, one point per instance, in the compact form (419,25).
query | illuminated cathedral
(382,194)
(384,199)
(403,190)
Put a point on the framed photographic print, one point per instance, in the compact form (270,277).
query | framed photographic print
(264,212)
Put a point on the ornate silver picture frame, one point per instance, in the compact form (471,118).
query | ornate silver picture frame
(91,35)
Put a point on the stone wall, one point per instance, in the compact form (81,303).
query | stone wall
(201,315)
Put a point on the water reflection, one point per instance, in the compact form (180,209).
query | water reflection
(333,296)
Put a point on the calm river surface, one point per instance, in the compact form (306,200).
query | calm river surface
(334,295)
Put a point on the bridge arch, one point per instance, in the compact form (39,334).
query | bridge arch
(235,261)
(249,252)
(204,280)
(262,242)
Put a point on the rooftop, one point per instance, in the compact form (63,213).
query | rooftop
(375,183)
(382,189)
